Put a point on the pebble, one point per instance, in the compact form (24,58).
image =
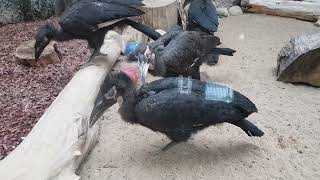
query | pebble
(222,12)
(235,11)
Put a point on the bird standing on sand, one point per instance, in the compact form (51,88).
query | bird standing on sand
(177,107)
(91,20)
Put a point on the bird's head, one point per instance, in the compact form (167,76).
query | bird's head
(43,38)
(146,62)
(115,85)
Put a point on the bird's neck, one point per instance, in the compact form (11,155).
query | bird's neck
(59,35)
(160,68)
(126,109)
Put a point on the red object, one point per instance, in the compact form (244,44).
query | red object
(132,72)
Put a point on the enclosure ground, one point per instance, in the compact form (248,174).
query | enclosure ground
(26,92)
(288,114)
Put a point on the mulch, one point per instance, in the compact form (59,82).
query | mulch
(26,92)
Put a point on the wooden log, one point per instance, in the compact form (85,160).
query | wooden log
(307,10)
(299,60)
(160,14)
(61,139)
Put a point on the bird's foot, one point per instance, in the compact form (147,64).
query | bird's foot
(169,145)
(86,64)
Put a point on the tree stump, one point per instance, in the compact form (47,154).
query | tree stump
(24,54)
(307,10)
(299,60)
(160,14)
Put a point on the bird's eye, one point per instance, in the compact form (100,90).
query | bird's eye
(111,94)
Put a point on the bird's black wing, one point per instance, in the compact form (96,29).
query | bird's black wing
(198,87)
(204,13)
(84,17)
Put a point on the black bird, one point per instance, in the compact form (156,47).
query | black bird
(177,107)
(179,52)
(202,16)
(90,20)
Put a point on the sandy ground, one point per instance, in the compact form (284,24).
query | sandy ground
(288,114)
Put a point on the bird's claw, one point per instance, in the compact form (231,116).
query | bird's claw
(86,64)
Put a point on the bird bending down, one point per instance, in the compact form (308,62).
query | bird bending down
(91,20)
(177,107)
(178,52)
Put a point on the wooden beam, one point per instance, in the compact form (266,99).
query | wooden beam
(61,139)
(308,10)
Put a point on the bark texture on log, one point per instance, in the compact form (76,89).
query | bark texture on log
(307,10)
(61,139)
(160,14)
(299,60)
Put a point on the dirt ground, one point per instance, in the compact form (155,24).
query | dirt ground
(288,114)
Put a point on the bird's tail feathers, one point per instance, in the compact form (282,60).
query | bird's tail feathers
(144,29)
(249,128)
(223,51)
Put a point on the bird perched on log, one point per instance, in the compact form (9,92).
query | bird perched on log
(177,107)
(200,15)
(177,53)
(91,20)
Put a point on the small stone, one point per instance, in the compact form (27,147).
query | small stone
(24,54)
(317,23)
(222,12)
(235,11)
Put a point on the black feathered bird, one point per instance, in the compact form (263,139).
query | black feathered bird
(202,16)
(90,20)
(177,107)
(179,52)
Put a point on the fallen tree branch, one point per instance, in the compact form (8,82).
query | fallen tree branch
(308,10)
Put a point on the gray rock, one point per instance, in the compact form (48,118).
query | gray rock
(235,11)
(299,60)
(222,12)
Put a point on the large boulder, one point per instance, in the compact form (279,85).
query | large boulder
(24,54)
(299,60)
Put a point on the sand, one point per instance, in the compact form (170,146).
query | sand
(288,114)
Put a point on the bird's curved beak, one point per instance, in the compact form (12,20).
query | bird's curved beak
(99,108)
(143,67)
(39,47)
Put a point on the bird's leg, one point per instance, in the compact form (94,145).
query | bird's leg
(169,145)
(96,52)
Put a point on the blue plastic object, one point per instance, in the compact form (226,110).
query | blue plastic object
(131,46)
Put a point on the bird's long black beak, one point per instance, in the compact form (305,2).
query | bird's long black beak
(39,47)
(99,108)
(143,67)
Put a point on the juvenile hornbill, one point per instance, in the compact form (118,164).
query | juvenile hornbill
(90,20)
(177,107)
(177,53)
